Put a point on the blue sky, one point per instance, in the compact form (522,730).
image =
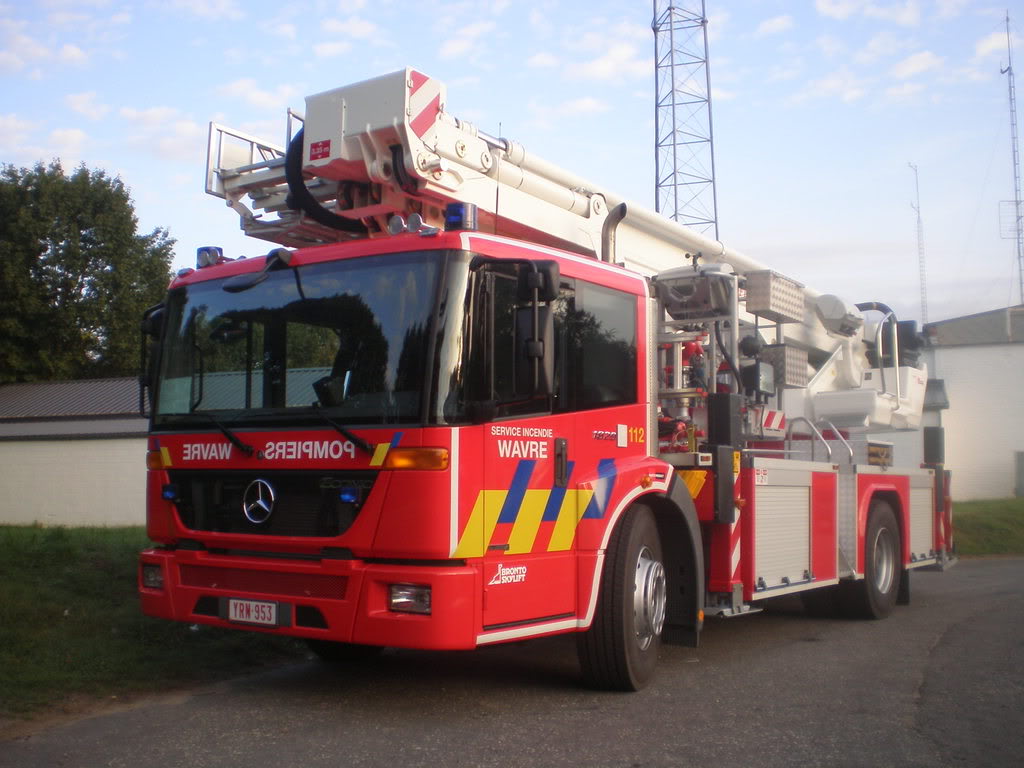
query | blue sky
(819,106)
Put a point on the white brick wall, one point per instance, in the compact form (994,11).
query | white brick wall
(73,482)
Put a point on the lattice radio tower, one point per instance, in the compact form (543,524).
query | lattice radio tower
(684,141)
(1017,229)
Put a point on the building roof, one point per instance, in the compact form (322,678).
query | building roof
(999,326)
(70,399)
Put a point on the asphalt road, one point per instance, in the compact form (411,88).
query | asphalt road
(939,683)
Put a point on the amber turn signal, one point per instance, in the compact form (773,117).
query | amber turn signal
(416,458)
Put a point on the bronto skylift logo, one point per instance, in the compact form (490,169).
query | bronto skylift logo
(514,574)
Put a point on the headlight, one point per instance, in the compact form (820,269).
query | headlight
(409,598)
(152,576)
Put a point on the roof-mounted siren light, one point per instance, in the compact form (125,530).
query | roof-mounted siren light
(460,216)
(209,255)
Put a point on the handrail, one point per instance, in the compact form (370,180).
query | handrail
(887,316)
(839,434)
(814,429)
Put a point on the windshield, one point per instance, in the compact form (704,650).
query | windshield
(349,338)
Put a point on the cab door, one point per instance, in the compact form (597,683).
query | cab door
(529,511)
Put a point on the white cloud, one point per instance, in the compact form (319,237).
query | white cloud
(184,140)
(903,91)
(949,9)
(10,62)
(841,84)
(150,118)
(585,105)
(907,14)
(248,89)
(542,61)
(67,144)
(993,44)
(18,48)
(619,60)
(465,40)
(774,26)
(880,46)
(72,54)
(68,17)
(718,94)
(838,9)
(286,30)
(166,132)
(717,22)
(329,50)
(209,9)
(86,104)
(14,131)
(830,45)
(780,72)
(361,29)
(916,64)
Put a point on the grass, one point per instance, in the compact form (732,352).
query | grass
(70,624)
(994,527)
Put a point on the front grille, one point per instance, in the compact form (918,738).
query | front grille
(325,586)
(306,503)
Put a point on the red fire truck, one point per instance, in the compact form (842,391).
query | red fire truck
(471,398)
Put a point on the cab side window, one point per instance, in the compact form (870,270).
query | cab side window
(595,339)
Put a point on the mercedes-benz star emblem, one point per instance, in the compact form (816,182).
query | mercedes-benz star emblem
(258,501)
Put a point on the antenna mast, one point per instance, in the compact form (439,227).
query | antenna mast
(684,142)
(916,205)
(1018,231)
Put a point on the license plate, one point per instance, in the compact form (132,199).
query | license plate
(252,612)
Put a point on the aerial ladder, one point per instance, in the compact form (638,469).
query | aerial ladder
(388,147)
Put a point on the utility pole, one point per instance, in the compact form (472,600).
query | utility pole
(916,205)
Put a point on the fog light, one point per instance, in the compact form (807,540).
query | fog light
(409,598)
(152,576)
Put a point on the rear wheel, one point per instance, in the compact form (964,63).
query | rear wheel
(620,650)
(874,596)
(339,653)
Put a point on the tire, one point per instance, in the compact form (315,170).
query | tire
(341,653)
(620,650)
(874,596)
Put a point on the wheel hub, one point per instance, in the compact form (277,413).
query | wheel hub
(649,597)
(885,560)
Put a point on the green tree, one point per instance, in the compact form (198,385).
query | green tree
(75,275)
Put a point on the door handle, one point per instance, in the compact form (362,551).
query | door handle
(561,462)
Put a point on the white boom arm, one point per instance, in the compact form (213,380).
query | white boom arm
(388,146)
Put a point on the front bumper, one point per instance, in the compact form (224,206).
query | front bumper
(327,599)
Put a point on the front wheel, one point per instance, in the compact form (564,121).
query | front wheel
(874,596)
(620,650)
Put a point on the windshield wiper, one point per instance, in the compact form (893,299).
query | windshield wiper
(344,431)
(245,448)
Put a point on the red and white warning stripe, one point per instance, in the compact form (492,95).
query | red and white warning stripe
(773,419)
(424,102)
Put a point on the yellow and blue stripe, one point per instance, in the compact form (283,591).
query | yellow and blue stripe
(520,519)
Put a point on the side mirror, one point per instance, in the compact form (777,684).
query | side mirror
(535,351)
(544,280)
(151,331)
(153,321)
